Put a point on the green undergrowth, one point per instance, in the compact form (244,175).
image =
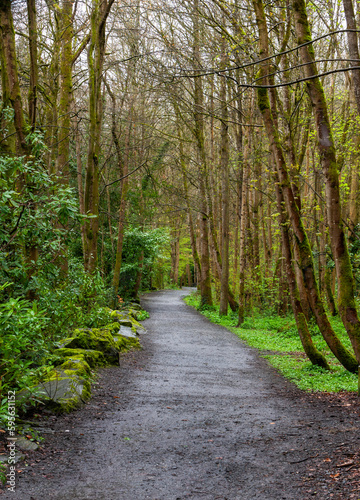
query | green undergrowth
(278,341)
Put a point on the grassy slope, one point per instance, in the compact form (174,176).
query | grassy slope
(279,343)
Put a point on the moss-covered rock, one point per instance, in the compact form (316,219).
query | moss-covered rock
(121,318)
(126,343)
(62,392)
(97,339)
(136,326)
(92,357)
(77,365)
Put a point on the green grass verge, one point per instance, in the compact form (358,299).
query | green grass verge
(278,340)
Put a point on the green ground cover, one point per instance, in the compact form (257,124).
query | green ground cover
(278,341)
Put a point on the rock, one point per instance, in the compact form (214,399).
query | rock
(93,358)
(62,392)
(97,339)
(14,459)
(126,343)
(121,317)
(25,444)
(125,322)
(135,306)
(125,331)
(77,365)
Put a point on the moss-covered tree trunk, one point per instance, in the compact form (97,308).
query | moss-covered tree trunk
(225,190)
(205,276)
(96,54)
(306,263)
(352,37)
(66,33)
(243,231)
(327,153)
(11,95)
(33,83)
(310,349)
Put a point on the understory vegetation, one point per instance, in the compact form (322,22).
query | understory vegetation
(277,339)
(152,145)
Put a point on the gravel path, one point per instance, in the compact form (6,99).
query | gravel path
(196,414)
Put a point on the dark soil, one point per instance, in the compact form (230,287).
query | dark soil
(196,414)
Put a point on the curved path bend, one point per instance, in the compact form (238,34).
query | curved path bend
(196,415)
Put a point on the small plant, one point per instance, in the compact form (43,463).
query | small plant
(141,315)
(2,473)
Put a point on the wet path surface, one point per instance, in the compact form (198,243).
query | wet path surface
(196,414)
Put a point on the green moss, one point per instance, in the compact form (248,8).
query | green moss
(98,339)
(92,357)
(124,344)
(79,366)
(263,100)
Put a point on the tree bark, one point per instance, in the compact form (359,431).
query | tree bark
(326,147)
(205,283)
(305,255)
(352,37)
(33,63)
(96,55)
(225,189)
(11,95)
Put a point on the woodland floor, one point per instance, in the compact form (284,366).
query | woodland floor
(196,414)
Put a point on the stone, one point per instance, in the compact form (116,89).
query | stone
(14,460)
(127,332)
(135,306)
(93,358)
(25,444)
(62,392)
(77,365)
(126,343)
(97,339)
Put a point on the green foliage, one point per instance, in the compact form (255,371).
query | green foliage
(141,315)
(30,329)
(313,378)
(80,301)
(143,251)
(24,346)
(278,339)
(35,211)
(2,473)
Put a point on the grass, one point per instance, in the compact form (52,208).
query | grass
(278,341)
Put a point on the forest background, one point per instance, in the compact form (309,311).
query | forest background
(152,144)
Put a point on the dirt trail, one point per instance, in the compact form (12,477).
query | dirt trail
(196,414)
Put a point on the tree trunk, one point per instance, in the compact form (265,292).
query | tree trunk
(33,63)
(205,283)
(96,55)
(311,351)
(225,190)
(243,231)
(352,37)
(11,95)
(326,147)
(306,262)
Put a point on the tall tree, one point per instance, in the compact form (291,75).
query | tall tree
(96,54)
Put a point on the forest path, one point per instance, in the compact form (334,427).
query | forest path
(196,414)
